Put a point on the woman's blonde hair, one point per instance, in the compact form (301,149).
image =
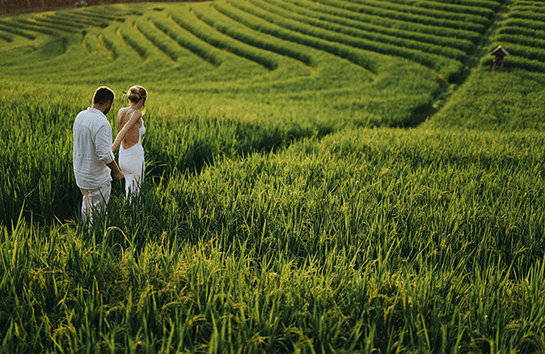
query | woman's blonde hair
(137,93)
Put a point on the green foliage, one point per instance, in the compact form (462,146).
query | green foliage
(432,18)
(310,10)
(364,238)
(386,22)
(8,28)
(287,207)
(209,36)
(511,99)
(164,44)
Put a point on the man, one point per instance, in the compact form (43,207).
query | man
(93,156)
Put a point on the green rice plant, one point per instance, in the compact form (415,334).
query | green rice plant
(528,15)
(223,42)
(199,141)
(508,30)
(37,159)
(111,13)
(6,37)
(450,67)
(121,42)
(190,42)
(524,3)
(108,44)
(425,11)
(524,51)
(22,24)
(252,38)
(300,82)
(313,219)
(507,100)
(38,21)
(8,28)
(523,23)
(428,20)
(527,64)
(393,40)
(81,20)
(526,43)
(330,9)
(269,171)
(68,20)
(528,7)
(483,10)
(491,4)
(158,39)
(94,45)
(256,22)
(272,218)
(56,24)
(298,8)
(134,41)
(214,294)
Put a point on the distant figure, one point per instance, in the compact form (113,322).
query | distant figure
(92,154)
(130,127)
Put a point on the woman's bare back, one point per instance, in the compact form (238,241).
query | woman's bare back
(132,136)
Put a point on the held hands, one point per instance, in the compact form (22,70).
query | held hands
(115,169)
(118,175)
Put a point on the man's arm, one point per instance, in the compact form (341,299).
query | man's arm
(103,141)
(115,169)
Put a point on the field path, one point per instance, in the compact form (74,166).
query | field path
(473,61)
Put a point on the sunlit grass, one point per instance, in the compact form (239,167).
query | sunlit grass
(281,212)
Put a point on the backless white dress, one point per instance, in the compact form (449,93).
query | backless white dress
(133,165)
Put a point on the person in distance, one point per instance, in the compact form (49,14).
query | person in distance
(92,155)
(130,127)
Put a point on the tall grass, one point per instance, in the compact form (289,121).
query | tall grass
(162,42)
(385,21)
(210,36)
(36,157)
(406,16)
(7,28)
(348,44)
(190,43)
(369,35)
(279,212)
(305,9)
(336,248)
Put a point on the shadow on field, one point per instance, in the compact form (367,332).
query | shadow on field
(127,224)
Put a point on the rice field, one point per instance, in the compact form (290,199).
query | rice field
(322,176)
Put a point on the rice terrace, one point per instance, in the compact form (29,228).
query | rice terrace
(322,176)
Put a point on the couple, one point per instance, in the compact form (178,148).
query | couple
(93,149)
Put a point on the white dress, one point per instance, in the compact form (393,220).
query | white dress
(132,164)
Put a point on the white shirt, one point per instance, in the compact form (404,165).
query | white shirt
(92,149)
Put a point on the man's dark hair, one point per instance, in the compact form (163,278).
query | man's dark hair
(102,95)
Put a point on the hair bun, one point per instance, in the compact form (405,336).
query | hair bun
(136,93)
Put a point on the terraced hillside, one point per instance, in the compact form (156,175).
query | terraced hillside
(383,62)
(511,100)
(321,176)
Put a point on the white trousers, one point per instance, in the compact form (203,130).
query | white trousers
(95,201)
(133,165)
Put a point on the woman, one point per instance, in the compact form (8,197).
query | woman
(130,127)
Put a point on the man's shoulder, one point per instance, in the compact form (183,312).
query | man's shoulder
(91,115)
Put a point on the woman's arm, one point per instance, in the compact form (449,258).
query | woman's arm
(121,134)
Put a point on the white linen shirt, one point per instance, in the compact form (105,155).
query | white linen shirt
(92,149)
